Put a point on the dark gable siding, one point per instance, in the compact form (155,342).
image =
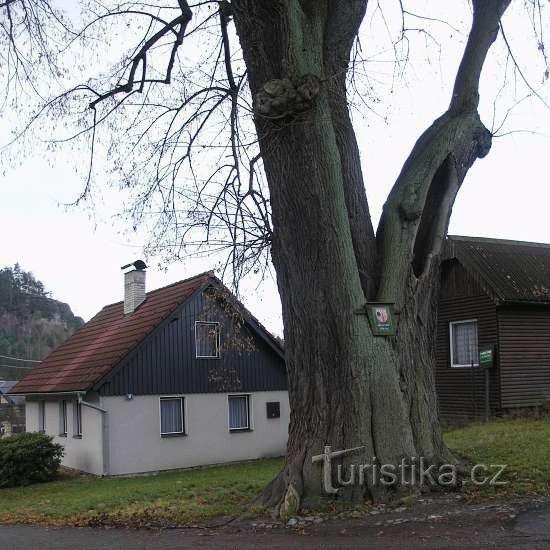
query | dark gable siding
(462,298)
(524,334)
(165,362)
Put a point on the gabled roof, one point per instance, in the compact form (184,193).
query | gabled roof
(94,350)
(512,271)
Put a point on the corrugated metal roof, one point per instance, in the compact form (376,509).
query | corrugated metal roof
(513,271)
(91,352)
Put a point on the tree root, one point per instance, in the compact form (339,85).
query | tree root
(285,496)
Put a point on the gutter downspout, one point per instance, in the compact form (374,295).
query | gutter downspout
(104,431)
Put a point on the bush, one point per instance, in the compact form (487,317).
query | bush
(28,458)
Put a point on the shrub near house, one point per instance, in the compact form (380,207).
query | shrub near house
(28,458)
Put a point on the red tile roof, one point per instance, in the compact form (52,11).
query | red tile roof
(92,352)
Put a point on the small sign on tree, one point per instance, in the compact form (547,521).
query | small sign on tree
(381,318)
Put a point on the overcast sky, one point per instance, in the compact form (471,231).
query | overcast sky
(506,195)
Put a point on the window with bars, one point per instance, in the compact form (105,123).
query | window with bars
(172,418)
(207,340)
(463,344)
(77,419)
(42,416)
(239,412)
(63,418)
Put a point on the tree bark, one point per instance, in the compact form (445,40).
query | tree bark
(348,388)
(341,30)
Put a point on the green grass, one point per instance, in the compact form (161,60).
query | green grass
(522,444)
(171,498)
(191,496)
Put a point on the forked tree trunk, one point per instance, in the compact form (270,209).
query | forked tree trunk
(348,388)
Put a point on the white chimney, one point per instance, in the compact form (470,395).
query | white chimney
(134,286)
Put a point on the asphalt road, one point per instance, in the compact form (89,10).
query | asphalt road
(528,530)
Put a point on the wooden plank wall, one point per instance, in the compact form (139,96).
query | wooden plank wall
(461,392)
(165,362)
(524,334)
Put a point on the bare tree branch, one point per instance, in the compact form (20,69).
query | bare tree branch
(181,21)
(411,232)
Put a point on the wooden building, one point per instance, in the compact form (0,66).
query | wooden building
(494,293)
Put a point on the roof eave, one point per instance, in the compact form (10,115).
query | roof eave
(54,394)
(525,303)
(256,326)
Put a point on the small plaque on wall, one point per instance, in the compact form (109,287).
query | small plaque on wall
(381,318)
(486,356)
(273,409)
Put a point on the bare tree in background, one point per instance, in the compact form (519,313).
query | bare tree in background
(263,99)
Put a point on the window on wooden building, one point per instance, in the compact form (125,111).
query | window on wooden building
(172,419)
(239,412)
(207,340)
(464,348)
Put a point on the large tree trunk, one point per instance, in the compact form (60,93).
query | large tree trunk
(348,388)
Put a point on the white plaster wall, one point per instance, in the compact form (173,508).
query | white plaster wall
(136,445)
(84,453)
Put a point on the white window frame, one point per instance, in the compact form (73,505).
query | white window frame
(77,420)
(451,324)
(183,404)
(63,421)
(250,426)
(218,340)
(42,416)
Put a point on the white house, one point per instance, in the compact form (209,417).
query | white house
(179,377)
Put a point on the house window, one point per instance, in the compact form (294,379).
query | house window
(464,350)
(207,340)
(42,416)
(239,412)
(77,419)
(172,420)
(63,418)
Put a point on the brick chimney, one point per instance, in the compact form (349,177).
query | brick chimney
(134,286)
